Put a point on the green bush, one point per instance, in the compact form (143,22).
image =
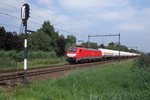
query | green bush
(7,63)
(41,55)
(43,62)
(143,62)
(35,59)
(142,68)
(19,56)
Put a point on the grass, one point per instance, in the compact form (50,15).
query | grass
(19,56)
(6,63)
(111,82)
(43,62)
(10,59)
(9,63)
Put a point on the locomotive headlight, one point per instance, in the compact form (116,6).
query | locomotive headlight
(71,55)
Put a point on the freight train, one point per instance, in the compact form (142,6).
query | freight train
(81,55)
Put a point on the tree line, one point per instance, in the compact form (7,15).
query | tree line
(44,39)
(48,39)
(10,40)
(111,45)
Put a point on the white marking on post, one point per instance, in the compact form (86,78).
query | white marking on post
(25,43)
(25,64)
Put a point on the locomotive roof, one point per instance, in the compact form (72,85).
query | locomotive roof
(84,48)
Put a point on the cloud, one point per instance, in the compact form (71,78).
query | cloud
(45,2)
(132,27)
(138,21)
(85,16)
(118,14)
(84,5)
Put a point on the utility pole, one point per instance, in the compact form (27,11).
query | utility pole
(24,16)
(119,46)
(88,41)
(106,36)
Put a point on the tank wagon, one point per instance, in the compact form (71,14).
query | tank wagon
(114,54)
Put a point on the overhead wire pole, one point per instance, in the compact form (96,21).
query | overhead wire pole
(88,41)
(119,46)
(105,36)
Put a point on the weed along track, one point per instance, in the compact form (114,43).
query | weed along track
(19,74)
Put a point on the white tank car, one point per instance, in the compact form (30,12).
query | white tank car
(115,53)
(108,53)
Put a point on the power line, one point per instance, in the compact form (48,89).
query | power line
(68,32)
(9,25)
(37,23)
(36,15)
(18,18)
(6,14)
(41,17)
(9,15)
(9,5)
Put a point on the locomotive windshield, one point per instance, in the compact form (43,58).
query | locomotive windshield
(72,50)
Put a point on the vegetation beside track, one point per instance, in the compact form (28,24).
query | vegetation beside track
(10,59)
(122,81)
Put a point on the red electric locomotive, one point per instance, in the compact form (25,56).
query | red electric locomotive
(78,55)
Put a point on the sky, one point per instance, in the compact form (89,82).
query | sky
(81,18)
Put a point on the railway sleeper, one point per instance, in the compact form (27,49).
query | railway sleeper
(23,77)
(3,83)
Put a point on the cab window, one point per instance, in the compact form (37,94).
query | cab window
(72,50)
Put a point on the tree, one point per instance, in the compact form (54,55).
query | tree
(123,48)
(49,30)
(111,44)
(61,42)
(9,40)
(84,44)
(101,46)
(40,41)
(133,50)
(116,46)
(90,45)
(2,36)
(71,40)
(2,31)
(93,45)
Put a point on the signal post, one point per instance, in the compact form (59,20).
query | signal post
(24,16)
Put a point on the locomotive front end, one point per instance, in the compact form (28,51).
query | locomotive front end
(71,55)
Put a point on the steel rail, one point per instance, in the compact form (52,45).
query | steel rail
(46,70)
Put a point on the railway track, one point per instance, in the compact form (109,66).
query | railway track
(20,74)
(8,71)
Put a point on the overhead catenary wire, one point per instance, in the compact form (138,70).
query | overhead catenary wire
(69,32)
(6,14)
(41,17)
(9,25)
(10,6)
(61,30)
(12,16)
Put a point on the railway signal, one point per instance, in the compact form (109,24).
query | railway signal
(24,16)
(25,13)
